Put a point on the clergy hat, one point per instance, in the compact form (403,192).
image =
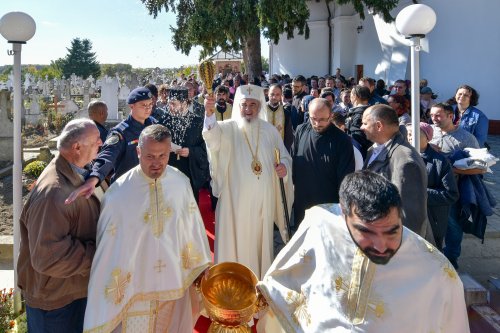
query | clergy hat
(178,93)
(139,94)
(250,91)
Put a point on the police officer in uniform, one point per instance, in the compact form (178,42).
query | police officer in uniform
(118,153)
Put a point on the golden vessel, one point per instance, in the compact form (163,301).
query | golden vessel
(230,297)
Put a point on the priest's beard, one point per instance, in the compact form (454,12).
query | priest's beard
(375,256)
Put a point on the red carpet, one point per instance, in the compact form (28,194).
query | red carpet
(209,220)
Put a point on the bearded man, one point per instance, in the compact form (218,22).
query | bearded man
(280,115)
(356,268)
(245,178)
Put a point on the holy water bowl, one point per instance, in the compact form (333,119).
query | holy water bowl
(230,296)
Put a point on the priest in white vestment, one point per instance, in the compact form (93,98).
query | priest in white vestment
(151,247)
(245,178)
(357,269)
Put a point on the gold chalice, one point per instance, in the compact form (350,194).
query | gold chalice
(230,297)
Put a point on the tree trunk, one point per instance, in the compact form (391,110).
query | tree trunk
(251,55)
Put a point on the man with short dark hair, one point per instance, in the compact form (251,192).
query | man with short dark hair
(359,98)
(394,158)
(298,87)
(280,115)
(447,137)
(374,97)
(57,241)
(449,140)
(339,76)
(400,88)
(223,109)
(151,247)
(355,267)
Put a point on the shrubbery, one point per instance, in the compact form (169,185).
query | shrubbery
(34,169)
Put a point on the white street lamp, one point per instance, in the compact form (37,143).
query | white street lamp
(414,22)
(17,28)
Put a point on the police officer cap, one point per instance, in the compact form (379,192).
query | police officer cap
(139,94)
(178,93)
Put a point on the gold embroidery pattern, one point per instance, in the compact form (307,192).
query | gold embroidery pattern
(277,119)
(190,257)
(448,270)
(355,291)
(192,207)
(376,306)
(111,229)
(340,284)
(158,212)
(152,296)
(115,290)
(298,306)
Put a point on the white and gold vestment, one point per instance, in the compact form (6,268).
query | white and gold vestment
(322,282)
(151,246)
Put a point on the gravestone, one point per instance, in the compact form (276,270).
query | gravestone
(109,94)
(33,115)
(6,127)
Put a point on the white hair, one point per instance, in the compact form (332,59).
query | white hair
(73,131)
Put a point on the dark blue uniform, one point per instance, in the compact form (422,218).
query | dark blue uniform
(118,154)
(103,131)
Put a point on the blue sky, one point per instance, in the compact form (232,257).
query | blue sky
(121,31)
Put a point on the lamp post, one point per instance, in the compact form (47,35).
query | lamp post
(414,22)
(17,28)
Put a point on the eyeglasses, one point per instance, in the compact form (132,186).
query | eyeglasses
(320,120)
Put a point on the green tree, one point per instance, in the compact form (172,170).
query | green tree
(80,60)
(113,69)
(265,64)
(237,24)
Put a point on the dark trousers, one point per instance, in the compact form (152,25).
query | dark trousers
(68,319)
(454,235)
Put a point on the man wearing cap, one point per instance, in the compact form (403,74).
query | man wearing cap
(245,178)
(188,153)
(118,154)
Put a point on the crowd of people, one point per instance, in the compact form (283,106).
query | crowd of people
(315,188)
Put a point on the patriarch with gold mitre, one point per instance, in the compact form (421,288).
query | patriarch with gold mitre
(245,178)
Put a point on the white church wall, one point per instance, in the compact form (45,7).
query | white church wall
(464,47)
(300,55)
